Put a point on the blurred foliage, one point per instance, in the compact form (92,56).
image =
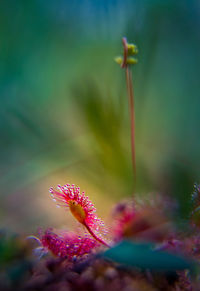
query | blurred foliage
(142,255)
(64,111)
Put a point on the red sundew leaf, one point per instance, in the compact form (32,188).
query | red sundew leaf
(68,244)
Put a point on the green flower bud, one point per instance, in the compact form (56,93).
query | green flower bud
(131,61)
(132,49)
(119,60)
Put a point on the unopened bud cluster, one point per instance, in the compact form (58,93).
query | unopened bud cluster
(130,50)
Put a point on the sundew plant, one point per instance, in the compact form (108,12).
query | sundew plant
(142,247)
(70,197)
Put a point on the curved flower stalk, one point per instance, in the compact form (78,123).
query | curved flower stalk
(81,208)
(126,61)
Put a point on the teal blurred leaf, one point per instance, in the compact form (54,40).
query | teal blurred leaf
(142,255)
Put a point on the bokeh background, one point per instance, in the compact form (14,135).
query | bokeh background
(64,111)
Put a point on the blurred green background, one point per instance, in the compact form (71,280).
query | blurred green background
(64,112)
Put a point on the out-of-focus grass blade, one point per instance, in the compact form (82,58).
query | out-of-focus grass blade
(142,255)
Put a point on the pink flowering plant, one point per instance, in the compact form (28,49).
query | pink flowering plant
(70,245)
(80,206)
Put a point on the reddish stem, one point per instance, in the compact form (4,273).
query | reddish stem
(95,236)
(124,41)
(132,115)
(129,85)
